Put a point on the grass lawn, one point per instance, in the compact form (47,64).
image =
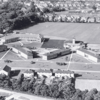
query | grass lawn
(27,65)
(2,53)
(11,56)
(87,32)
(88,75)
(77,58)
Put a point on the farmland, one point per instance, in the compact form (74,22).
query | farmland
(81,31)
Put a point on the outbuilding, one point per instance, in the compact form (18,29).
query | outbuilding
(42,72)
(5,71)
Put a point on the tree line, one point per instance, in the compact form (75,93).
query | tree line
(12,15)
(58,88)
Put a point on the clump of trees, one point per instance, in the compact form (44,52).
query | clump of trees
(58,88)
(13,16)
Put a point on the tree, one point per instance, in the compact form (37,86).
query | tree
(21,79)
(77,95)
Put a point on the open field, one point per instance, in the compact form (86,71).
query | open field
(78,58)
(87,84)
(2,53)
(81,31)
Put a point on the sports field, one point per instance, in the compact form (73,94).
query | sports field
(88,32)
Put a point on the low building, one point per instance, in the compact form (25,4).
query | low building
(22,52)
(65,73)
(3,48)
(42,72)
(28,73)
(89,55)
(5,71)
(55,54)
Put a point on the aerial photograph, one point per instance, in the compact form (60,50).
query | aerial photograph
(49,49)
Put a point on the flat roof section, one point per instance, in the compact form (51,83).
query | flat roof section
(89,52)
(53,43)
(22,49)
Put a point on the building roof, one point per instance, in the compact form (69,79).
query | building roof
(22,49)
(29,71)
(57,52)
(52,43)
(89,52)
(7,68)
(64,72)
(43,71)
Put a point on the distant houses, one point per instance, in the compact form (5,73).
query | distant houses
(29,73)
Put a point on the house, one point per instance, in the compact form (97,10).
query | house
(22,52)
(28,73)
(83,19)
(42,72)
(90,19)
(5,71)
(89,55)
(55,54)
(64,73)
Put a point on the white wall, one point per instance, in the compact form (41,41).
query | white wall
(3,72)
(14,50)
(23,55)
(89,57)
(28,75)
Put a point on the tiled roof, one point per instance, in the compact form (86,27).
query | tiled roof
(29,71)
(52,43)
(43,71)
(65,71)
(7,68)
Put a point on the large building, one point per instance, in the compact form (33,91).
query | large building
(89,55)
(26,37)
(22,52)
(55,54)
